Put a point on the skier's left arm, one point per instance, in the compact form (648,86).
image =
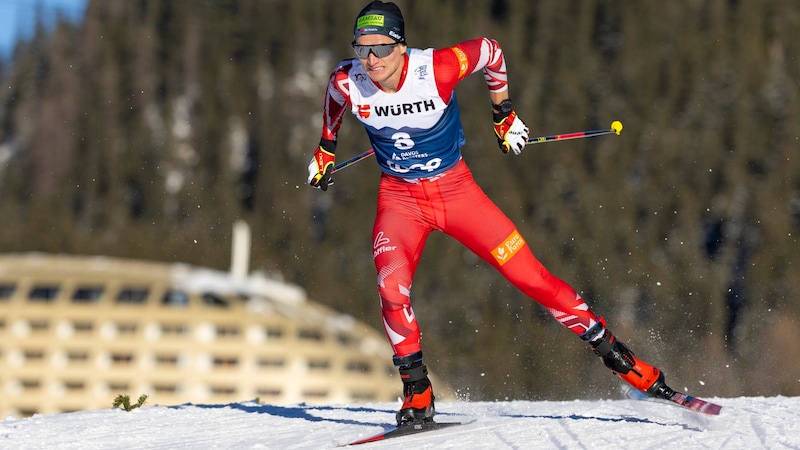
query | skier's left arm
(453,64)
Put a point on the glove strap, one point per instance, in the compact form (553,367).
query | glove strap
(502,110)
(328,145)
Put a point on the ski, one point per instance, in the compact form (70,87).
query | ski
(403,430)
(679,399)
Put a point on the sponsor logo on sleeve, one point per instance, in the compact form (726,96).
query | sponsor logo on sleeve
(463,62)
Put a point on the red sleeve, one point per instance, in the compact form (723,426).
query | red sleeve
(337,101)
(453,64)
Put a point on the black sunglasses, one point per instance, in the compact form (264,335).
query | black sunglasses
(379,50)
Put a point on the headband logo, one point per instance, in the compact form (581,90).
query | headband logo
(370,20)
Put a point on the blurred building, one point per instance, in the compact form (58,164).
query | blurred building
(75,332)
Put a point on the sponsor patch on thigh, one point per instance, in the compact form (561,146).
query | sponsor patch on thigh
(508,248)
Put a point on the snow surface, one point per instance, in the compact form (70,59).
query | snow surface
(745,423)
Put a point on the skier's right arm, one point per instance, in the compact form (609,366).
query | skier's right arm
(336,103)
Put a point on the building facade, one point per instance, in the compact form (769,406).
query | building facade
(76,332)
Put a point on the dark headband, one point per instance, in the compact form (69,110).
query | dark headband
(379,22)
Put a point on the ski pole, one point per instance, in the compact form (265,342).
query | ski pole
(353,160)
(616,128)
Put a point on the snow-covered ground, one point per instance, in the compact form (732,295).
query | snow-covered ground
(745,423)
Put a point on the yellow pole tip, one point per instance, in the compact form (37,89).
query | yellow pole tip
(616,126)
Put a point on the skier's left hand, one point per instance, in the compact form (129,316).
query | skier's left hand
(511,132)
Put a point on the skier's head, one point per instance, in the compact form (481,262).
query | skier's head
(379,42)
(380,18)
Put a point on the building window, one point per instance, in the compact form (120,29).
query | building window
(126,329)
(223,390)
(87,294)
(39,325)
(315,393)
(310,335)
(77,356)
(319,364)
(274,332)
(121,359)
(43,294)
(83,327)
(174,329)
(359,367)
(33,355)
(7,291)
(118,386)
(363,396)
(272,363)
(164,388)
(135,296)
(345,339)
(269,392)
(212,300)
(227,332)
(30,384)
(226,361)
(175,299)
(74,385)
(167,360)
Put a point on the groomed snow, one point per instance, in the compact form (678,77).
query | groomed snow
(745,423)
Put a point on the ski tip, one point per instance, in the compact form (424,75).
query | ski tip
(705,407)
(678,399)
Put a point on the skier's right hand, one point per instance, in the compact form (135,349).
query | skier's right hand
(321,166)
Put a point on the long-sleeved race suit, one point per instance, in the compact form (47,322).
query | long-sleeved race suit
(425,185)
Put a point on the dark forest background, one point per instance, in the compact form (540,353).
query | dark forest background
(148,128)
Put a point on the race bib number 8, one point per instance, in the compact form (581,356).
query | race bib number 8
(403,141)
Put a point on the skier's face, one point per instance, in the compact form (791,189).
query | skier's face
(387,70)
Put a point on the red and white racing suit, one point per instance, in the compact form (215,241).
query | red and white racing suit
(425,185)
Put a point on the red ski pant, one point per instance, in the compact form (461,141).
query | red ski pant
(408,211)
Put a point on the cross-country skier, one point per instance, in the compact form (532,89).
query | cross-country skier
(405,98)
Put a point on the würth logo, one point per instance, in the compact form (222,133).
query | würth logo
(405,108)
(510,246)
(363,111)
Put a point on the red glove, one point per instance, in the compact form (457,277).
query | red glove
(321,166)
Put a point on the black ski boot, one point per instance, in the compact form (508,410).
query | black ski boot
(621,360)
(417,391)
